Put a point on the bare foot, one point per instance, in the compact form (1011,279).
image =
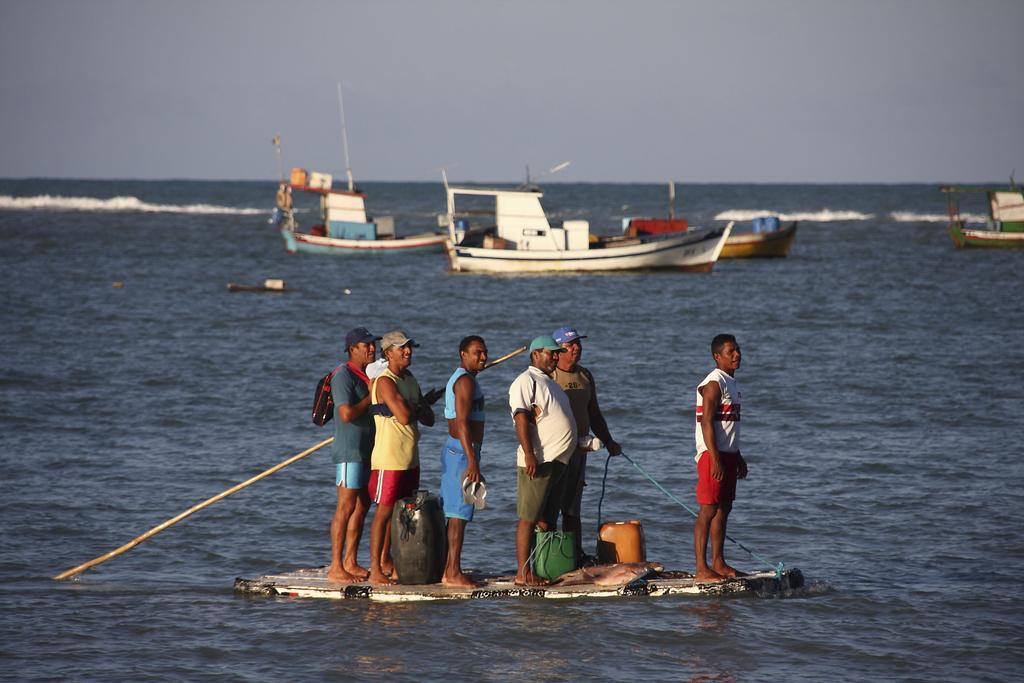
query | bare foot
(339,575)
(361,573)
(379,579)
(388,568)
(707,576)
(530,579)
(460,580)
(727,571)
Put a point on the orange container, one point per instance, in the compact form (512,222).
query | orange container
(299,177)
(621,542)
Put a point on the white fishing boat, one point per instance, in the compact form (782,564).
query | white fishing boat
(506,231)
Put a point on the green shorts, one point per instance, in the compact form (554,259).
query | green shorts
(539,498)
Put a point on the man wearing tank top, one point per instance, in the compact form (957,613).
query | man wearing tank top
(578,384)
(719,463)
(460,456)
(398,406)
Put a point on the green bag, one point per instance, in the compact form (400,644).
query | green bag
(554,553)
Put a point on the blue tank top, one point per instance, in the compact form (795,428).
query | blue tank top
(476,410)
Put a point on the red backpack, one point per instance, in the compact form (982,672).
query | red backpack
(323,401)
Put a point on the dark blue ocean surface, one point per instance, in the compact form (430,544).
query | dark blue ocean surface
(883,379)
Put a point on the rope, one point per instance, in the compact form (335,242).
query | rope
(777,567)
(601,499)
(536,547)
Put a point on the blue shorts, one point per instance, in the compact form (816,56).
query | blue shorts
(453,463)
(351,475)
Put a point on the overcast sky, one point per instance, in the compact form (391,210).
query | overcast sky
(716,91)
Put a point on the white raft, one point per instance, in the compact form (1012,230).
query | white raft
(313,583)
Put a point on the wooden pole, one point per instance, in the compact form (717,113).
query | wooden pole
(195,508)
(224,494)
(505,357)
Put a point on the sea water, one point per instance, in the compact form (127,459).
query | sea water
(882,384)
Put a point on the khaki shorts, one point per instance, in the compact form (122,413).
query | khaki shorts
(539,498)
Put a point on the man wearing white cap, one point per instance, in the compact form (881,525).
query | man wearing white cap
(547,438)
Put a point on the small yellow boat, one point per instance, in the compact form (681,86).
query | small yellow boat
(760,244)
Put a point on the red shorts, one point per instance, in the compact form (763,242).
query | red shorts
(387,487)
(711,492)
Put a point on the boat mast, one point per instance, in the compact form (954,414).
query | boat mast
(671,200)
(344,139)
(276,141)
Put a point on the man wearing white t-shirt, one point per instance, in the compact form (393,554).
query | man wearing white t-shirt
(719,462)
(546,431)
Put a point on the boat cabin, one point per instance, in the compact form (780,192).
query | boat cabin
(1005,206)
(509,219)
(343,215)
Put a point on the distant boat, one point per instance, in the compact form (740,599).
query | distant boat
(507,231)
(768,240)
(344,227)
(1004,228)
(773,242)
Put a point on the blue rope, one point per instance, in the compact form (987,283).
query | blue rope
(777,567)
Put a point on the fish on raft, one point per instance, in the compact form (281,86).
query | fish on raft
(619,574)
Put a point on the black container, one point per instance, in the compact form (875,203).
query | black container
(419,540)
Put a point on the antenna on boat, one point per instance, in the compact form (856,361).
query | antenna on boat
(276,141)
(671,200)
(344,139)
(530,183)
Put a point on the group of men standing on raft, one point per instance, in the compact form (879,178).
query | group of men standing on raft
(379,406)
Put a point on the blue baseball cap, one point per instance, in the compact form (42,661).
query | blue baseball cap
(564,335)
(544,342)
(357,335)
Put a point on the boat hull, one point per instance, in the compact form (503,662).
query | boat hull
(300,242)
(760,244)
(696,250)
(965,238)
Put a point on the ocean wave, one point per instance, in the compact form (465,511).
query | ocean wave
(911,217)
(47,202)
(823,216)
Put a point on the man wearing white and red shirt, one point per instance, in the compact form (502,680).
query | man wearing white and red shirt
(719,463)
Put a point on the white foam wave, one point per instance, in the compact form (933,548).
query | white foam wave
(47,202)
(823,216)
(911,217)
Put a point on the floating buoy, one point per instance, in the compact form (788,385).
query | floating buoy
(347,291)
(271,285)
(118,284)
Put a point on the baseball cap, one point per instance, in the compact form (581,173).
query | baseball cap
(395,338)
(544,342)
(357,335)
(564,335)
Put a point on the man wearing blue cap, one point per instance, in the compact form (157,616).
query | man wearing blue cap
(578,384)
(547,438)
(353,443)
